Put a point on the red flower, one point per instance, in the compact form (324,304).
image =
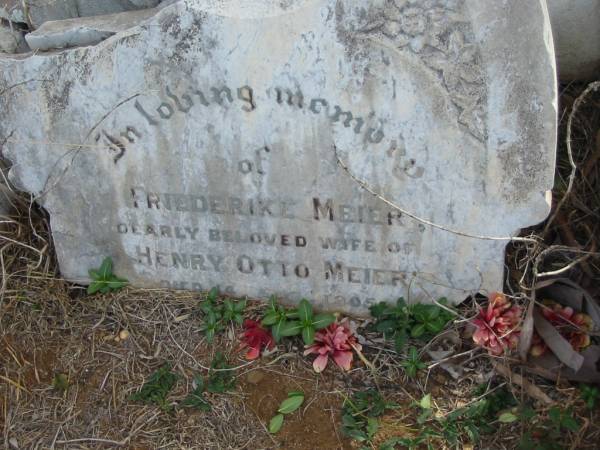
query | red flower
(574,327)
(337,341)
(256,338)
(497,326)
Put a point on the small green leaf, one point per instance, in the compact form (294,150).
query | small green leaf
(94,274)
(210,334)
(106,268)
(357,435)
(372,426)
(291,404)
(295,393)
(424,416)
(116,283)
(60,382)
(272,304)
(417,331)
(240,306)
(270,319)
(425,402)
(507,417)
(321,321)
(292,314)
(276,423)
(527,413)
(291,328)
(277,328)
(308,335)
(94,287)
(305,312)
(570,423)
(400,341)
(554,415)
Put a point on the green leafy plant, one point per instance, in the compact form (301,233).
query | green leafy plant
(590,395)
(196,399)
(293,401)
(217,316)
(60,382)
(156,389)
(360,415)
(413,363)
(234,311)
(551,433)
(401,321)
(219,380)
(103,279)
(468,423)
(276,317)
(307,322)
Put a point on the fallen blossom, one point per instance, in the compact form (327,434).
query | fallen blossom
(255,338)
(572,326)
(498,325)
(336,341)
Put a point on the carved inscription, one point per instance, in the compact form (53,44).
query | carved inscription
(234,257)
(118,145)
(183,103)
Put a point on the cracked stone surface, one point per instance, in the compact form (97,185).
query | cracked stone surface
(40,11)
(206,147)
(84,31)
(12,40)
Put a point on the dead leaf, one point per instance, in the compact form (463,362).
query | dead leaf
(530,389)
(561,348)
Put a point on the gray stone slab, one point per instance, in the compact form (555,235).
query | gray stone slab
(201,148)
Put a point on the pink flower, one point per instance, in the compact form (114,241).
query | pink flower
(497,326)
(574,327)
(336,341)
(256,338)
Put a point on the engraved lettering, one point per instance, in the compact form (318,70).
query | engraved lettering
(148,117)
(287,96)
(246,94)
(218,94)
(359,122)
(314,102)
(165,110)
(180,106)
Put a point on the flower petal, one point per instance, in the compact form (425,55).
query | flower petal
(320,363)
(253,353)
(343,359)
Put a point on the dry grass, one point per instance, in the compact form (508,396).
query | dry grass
(49,327)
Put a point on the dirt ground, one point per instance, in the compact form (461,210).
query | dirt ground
(49,327)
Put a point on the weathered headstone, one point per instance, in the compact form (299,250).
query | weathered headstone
(207,146)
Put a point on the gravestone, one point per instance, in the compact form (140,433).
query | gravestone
(225,143)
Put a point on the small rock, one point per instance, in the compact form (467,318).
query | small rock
(255,376)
